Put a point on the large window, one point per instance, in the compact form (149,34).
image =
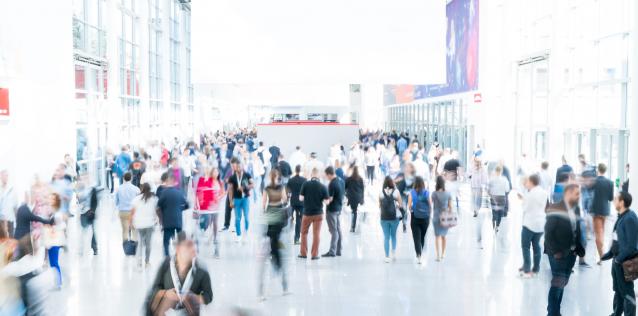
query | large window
(175,80)
(129,55)
(89,35)
(189,83)
(155,61)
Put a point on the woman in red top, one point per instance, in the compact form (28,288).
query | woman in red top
(210,196)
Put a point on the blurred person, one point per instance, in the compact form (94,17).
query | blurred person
(10,299)
(498,187)
(274,201)
(402,145)
(171,204)
(447,155)
(625,247)
(137,169)
(274,155)
(109,166)
(239,186)
(284,168)
(371,160)
(355,189)
(88,204)
(546,181)
(178,173)
(441,202)
(312,163)
(124,197)
(216,206)
(24,218)
(534,203)
(297,157)
(339,172)
(152,176)
(562,244)
(564,169)
(333,212)
(187,164)
(182,282)
(625,185)
(258,172)
(478,181)
(210,191)
(587,180)
(313,194)
(293,187)
(8,203)
(70,168)
(63,187)
(420,205)
(603,193)
(404,183)
(54,236)
(389,204)
(143,218)
(122,163)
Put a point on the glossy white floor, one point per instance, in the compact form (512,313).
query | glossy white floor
(470,281)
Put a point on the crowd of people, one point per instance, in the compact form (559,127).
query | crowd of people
(230,173)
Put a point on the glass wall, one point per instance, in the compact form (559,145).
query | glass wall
(175,42)
(155,62)
(129,55)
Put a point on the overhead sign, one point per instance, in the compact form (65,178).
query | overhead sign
(4,102)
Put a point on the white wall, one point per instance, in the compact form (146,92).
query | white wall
(36,62)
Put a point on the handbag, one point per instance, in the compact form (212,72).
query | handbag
(129,246)
(449,219)
(400,213)
(630,269)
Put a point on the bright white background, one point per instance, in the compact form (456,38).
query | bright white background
(310,42)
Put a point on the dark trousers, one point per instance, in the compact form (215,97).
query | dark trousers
(273,233)
(353,224)
(109,180)
(370,173)
(169,233)
(298,210)
(10,227)
(85,222)
(419,229)
(497,215)
(561,270)
(528,238)
(624,295)
(227,213)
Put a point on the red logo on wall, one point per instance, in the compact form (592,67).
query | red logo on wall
(4,102)
(478,98)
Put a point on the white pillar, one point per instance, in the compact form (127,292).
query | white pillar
(632,109)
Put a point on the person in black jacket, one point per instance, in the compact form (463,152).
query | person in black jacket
(354,192)
(603,193)
(181,282)
(284,169)
(171,204)
(294,188)
(24,217)
(563,242)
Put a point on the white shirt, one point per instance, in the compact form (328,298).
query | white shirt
(8,204)
(297,158)
(421,169)
(534,203)
(499,186)
(312,164)
(478,177)
(546,181)
(144,212)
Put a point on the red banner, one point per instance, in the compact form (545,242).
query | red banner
(4,102)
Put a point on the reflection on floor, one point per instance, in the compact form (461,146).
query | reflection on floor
(469,281)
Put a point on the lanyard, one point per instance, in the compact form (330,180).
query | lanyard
(239,179)
(179,288)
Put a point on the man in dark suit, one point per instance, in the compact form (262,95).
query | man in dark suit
(603,193)
(293,187)
(563,242)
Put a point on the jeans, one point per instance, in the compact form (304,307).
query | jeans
(227,213)
(85,222)
(354,207)
(477,199)
(242,207)
(561,270)
(624,295)
(370,173)
(54,253)
(389,228)
(315,221)
(334,226)
(529,237)
(419,229)
(169,233)
(145,235)
(298,210)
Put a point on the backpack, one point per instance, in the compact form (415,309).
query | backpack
(420,204)
(388,207)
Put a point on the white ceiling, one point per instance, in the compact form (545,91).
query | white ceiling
(318,42)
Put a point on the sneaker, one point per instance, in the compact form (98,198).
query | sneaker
(238,239)
(387,260)
(527,275)
(297,242)
(475,214)
(328,255)
(438,259)
(315,258)
(352,230)
(223,229)
(583,264)
(302,257)
(418,260)
(147,265)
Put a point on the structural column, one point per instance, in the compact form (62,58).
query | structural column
(632,108)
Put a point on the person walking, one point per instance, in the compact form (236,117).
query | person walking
(441,202)
(313,194)
(355,189)
(389,204)
(562,244)
(624,247)
(54,236)
(603,193)
(534,203)
(371,160)
(274,201)
(498,188)
(143,218)
(478,182)
(420,205)
(240,184)
(171,204)
(333,212)
(122,163)
(124,197)
(88,199)
(293,188)
(8,204)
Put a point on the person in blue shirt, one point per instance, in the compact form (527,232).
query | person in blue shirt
(122,163)
(171,204)
(402,145)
